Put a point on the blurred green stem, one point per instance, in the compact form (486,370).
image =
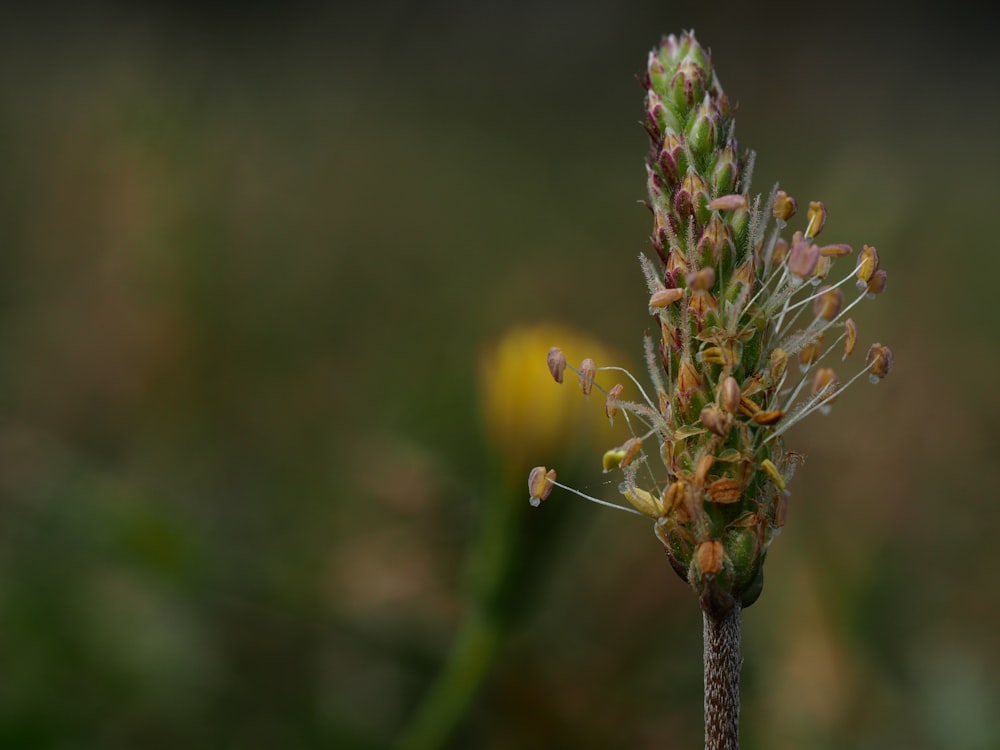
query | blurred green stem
(493,571)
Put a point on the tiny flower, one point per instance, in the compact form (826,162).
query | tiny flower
(709,557)
(729,394)
(557,363)
(802,258)
(611,402)
(850,337)
(714,420)
(725,490)
(784,206)
(540,483)
(586,373)
(817,218)
(879,362)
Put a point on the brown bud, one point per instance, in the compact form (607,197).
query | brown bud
(664,297)
(557,363)
(850,337)
(879,362)
(709,557)
(715,421)
(727,203)
(817,218)
(611,402)
(725,490)
(540,484)
(747,407)
(729,394)
(674,497)
(768,417)
(588,369)
(784,206)
(828,303)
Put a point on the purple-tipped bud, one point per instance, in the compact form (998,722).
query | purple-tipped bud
(557,363)
(726,170)
(702,133)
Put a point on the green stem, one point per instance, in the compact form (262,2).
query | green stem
(493,575)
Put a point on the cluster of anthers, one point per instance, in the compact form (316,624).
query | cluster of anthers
(747,322)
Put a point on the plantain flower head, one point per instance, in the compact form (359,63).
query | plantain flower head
(749,312)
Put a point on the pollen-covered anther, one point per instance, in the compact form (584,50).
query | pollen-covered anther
(664,297)
(828,303)
(802,258)
(586,373)
(876,284)
(823,266)
(867,266)
(557,363)
(709,557)
(725,490)
(540,484)
(729,394)
(715,420)
(768,417)
(772,471)
(713,355)
(784,206)
(879,361)
(817,218)
(727,203)
(612,400)
(850,337)
(612,459)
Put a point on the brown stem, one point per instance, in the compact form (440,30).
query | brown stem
(722,678)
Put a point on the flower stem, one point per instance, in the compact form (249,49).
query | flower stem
(722,678)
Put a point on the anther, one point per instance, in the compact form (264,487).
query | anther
(850,337)
(727,203)
(586,373)
(817,218)
(828,303)
(772,471)
(557,363)
(665,297)
(784,206)
(612,400)
(879,362)
(540,483)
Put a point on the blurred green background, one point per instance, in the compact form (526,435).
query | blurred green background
(252,264)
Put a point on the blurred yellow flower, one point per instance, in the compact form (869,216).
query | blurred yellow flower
(525,414)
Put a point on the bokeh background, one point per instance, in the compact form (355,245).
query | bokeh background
(271,284)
